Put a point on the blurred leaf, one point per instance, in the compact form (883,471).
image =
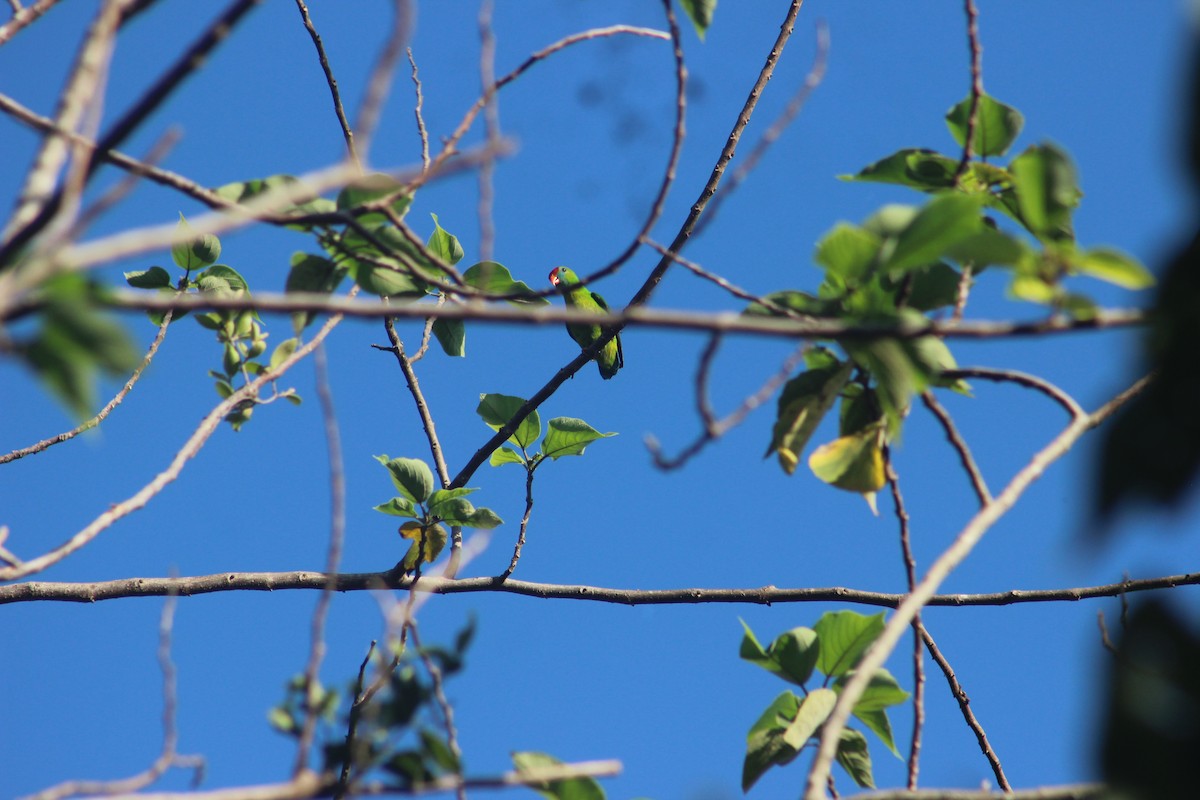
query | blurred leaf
(497,409)
(945,221)
(1114,267)
(765,744)
(369,188)
(311,273)
(194,252)
(567,436)
(700,12)
(814,710)
(800,302)
(918,168)
(848,251)
(451,335)
(153,278)
(853,756)
(1046,191)
(283,352)
(844,637)
(437,751)
(802,405)
(935,286)
(996,125)
(1152,729)
(569,789)
(853,463)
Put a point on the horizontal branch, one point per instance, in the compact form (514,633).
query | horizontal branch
(30,591)
(720,322)
(1078,791)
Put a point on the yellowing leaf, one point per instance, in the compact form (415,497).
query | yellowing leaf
(853,463)
(433,537)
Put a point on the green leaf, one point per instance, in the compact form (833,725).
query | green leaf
(494,278)
(373,187)
(483,518)
(195,251)
(814,710)
(567,436)
(765,743)
(988,246)
(1114,267)
(944,222)
(311,273)
(505,455)
(222,279)
(996,125)
(444,244)
(877,720)
(802,405)
(497,409)
(153,278)
(529,763)
(918,168)
(700,12)
(1033,288)
(398,507)
(848,251)
(1046,191)
(411,477)
(844,636)
(791,300)
(796,654)
(283,351)
(437,751)
(853,756)
(451,335)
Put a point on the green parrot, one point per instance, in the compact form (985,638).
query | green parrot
(610,358)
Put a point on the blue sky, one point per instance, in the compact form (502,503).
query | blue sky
(660,688)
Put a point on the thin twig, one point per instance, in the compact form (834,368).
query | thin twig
(976,53)
(945,563)
(337,536)
(516,556)
(414,388)
(420,101)
(355,715)
(1042,385)
(339,110)
(104,412)
(960,446)
(910,574)
(816,74)
(964,703)
(714,429)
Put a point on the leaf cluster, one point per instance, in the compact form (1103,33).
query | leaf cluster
(832,647)
(565,436)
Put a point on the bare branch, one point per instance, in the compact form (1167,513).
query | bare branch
(420,101)
(976,86)
(1023,379)
(964,703)
(816,74)
(98,591)
(960,446)
(1079,791)
(338,109)
(23,17)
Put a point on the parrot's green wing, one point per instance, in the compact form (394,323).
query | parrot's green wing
(609,369)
